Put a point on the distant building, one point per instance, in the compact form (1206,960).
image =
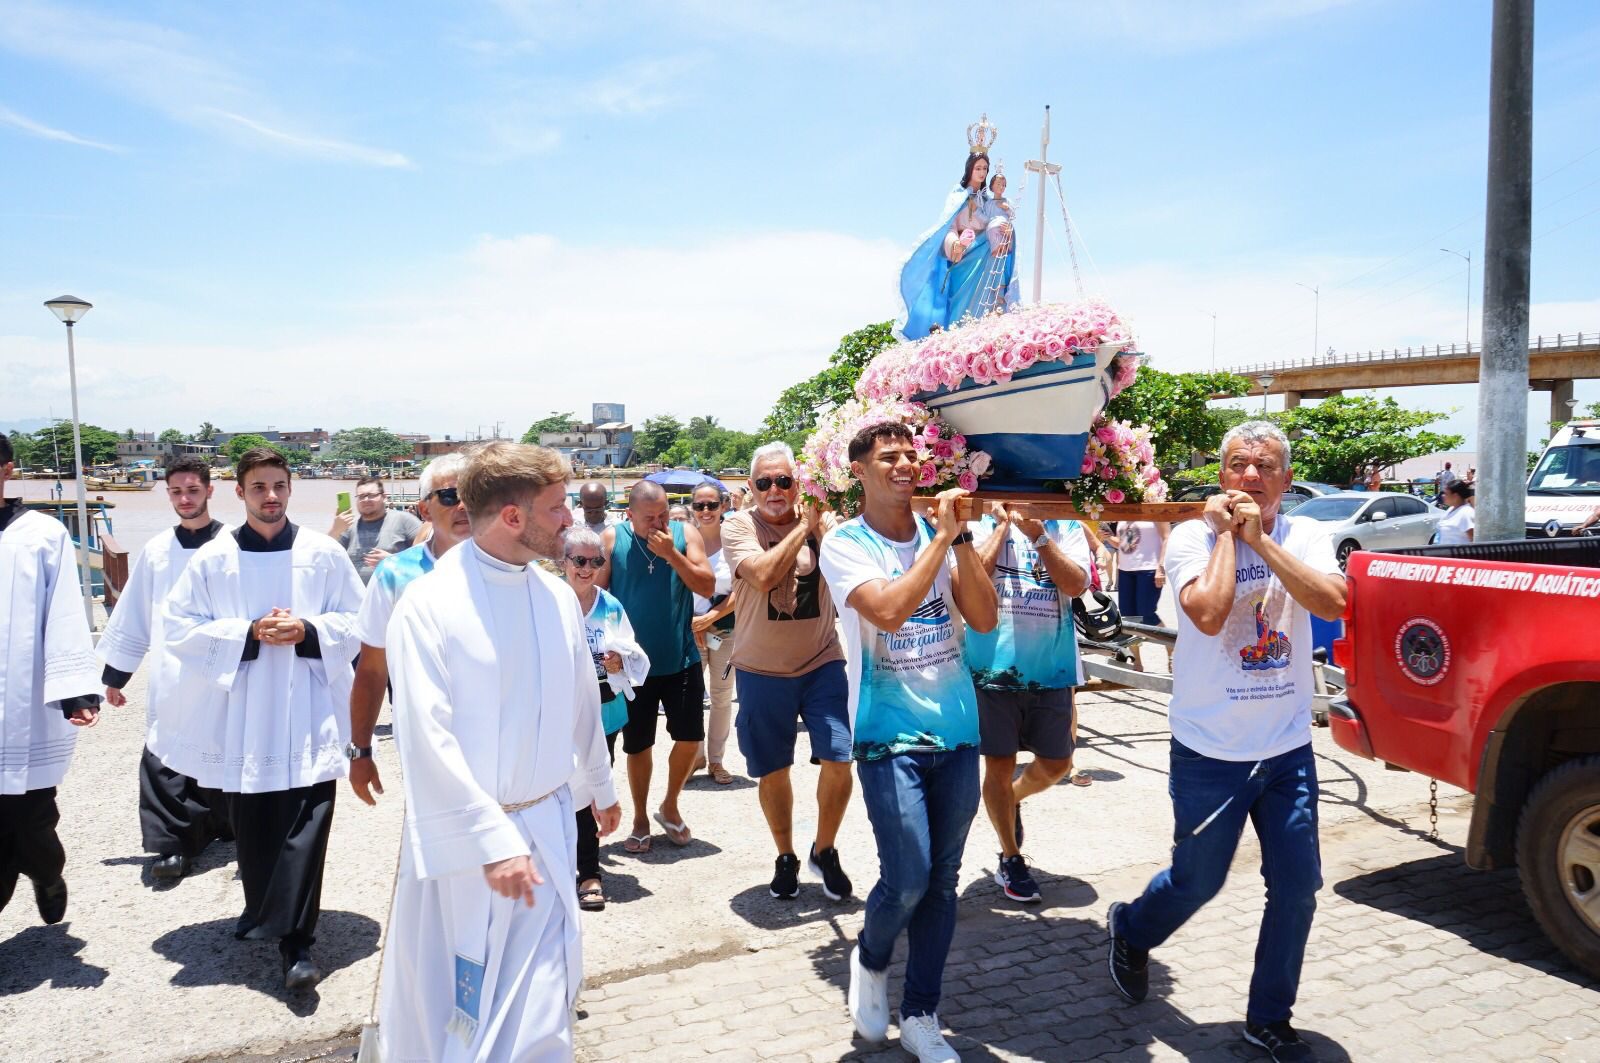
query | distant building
(306,442)
(149,449)
(423,449)
(606,441)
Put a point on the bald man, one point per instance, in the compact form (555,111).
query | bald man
(593,500)
(655,567)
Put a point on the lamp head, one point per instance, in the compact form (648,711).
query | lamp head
(69,308)
(1266,380)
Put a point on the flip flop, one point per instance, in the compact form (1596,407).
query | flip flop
(636,843)
(673,829)
(1082,778)
(592,899)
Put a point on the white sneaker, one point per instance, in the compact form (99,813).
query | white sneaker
(868,1000)
(920,1036)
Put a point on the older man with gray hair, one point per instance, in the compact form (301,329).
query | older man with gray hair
(441,505)
(1248,580)
(788,665)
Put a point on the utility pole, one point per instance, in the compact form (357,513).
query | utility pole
(1503,361)
(1213,314)
(1044,169)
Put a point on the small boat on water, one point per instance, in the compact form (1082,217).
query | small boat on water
(117,483)
(108,561)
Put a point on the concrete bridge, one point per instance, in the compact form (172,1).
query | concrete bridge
(1554,362)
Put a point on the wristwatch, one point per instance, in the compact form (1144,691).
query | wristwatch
(355,752)
(1042,540)
(964,537)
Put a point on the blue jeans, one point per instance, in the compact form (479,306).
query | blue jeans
(1280,798)
(920,805)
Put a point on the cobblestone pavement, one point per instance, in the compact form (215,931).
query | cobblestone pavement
(1413,956)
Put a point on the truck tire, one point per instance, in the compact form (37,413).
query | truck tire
(1558,858)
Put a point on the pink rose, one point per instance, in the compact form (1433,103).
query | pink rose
(1106,434)
(1114,496)
(931,432)
(967,236)
(944,449)
(1088,463)
(1151,474)
(928,476)
(967,481)
(959,440)
(1107,473)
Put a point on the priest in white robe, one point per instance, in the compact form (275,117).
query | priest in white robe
(178,817)
(498,720)
(267,615)
(47,686)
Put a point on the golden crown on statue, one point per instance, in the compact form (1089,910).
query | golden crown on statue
(981,135)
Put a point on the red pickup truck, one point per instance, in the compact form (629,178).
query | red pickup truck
(1480,665)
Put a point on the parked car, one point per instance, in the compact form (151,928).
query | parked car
(1200,492)
(1368,520)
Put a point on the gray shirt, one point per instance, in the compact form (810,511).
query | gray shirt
(393,533)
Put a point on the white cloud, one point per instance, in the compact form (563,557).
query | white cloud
(168,71)
(44,132)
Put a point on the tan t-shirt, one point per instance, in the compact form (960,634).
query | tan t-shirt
(789,630)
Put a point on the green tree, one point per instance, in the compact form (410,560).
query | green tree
(701,427)
(795,413)
(239,444)
(1344,433)
(556,422)
(1175,406)
(23,449)
(169,437)
(207,432)
(656,437)
(99,445)
(368,446)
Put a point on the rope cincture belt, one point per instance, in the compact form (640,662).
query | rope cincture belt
(520,805)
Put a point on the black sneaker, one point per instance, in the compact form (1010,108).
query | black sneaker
(1280,1041)
(785,877)
(825,865)
(1130,967)
(1012,876)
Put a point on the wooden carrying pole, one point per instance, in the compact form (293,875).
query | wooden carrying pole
(1044,505)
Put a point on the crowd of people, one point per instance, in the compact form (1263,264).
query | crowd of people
(927,651)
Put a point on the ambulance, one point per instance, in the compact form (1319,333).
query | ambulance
(1564,487)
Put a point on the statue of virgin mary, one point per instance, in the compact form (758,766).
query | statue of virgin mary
(965,266)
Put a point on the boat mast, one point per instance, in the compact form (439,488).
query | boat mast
(1044,169)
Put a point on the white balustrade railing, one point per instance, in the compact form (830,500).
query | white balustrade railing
(1562,341)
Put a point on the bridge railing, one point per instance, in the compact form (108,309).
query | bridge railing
(1561,341)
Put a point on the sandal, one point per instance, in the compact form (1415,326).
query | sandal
(1082,778)
(636,843)
(720,775)
(592,898)
(673,830)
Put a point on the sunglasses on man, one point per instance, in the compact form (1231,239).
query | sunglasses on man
(449,496)
(764,483)
(586,562)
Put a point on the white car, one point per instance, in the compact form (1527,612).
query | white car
(1371,520)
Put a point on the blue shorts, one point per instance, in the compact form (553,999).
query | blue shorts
(769,706)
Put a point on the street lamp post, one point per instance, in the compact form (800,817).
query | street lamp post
(1316,314)
(1213,314)
(1468,257)
(70,310)
(1266,386)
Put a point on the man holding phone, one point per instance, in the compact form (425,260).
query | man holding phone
(373,531)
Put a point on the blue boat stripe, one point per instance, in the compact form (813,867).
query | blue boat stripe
(936,404)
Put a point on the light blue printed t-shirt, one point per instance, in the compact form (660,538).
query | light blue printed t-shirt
(606,617)
(909,689)
(1034,646)
(389,580)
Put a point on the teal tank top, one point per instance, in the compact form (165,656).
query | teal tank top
(659,605)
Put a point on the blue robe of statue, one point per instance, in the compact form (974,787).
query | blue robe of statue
(935,291)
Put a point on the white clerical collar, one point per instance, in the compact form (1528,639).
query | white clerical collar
(498,570)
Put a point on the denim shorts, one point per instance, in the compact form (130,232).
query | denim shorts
(769,706)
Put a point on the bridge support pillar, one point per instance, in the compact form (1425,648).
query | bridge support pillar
(1291,399)
(1560,392)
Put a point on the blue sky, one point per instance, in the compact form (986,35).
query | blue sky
(436,217)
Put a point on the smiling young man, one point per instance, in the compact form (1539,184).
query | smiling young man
(906,585)
(267,614)
(178,817)
(441,505)
(1248,580)
(789,666)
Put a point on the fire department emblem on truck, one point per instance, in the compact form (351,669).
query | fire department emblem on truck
(1422,650)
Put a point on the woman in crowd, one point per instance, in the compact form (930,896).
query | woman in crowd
(1457,526)
(713,629)
(1140,575)
(619,665)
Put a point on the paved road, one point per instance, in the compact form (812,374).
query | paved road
(1413,956)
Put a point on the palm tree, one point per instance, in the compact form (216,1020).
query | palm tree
(207,432)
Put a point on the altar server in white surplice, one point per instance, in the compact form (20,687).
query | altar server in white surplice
(47,685)
(498,721)
(267,614)
(178,817)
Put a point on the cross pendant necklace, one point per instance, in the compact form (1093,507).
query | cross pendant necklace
(649,558)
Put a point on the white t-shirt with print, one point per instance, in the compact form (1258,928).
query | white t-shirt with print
(1138,546)
(1245,693)
(1454,527)
(909,689)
